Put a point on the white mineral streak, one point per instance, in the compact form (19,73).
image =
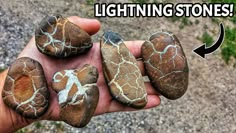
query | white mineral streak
(72,79)
(146,79)
(175,46)
(85,88)
(136,73)
(54,42)
(31,99)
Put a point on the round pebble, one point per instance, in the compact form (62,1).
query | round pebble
(121,71)
(57,36)
(25,89)
(166,64)
(77,94)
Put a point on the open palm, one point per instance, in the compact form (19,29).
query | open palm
(51,65)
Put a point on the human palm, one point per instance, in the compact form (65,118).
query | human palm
(51,65)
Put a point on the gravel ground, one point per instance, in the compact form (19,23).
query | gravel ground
(208,106)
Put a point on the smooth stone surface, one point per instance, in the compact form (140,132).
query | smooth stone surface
(121,71)
(25,89)
(57,36)
(78,94)
(166,64)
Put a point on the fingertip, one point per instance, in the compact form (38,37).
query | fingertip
(135,47)
(153,101)
(53,112)
(141,67)
(150,89)
(91,26)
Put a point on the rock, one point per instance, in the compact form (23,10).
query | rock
(57,36)
(25,89)
(166,64)
(121,71)
(78,94)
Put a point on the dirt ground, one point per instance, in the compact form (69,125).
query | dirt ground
(208,106)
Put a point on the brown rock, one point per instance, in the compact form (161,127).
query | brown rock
(25,88)
(77,94)
(121,71)
(166,64)
(57,36)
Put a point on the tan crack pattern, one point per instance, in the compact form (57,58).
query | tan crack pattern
(25,88)
(77,94)
(57,36)
(166,64)
(121,71)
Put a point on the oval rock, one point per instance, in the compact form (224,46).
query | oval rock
(25,89)
(121,71)
(57,36)
(166,64)
(78,94)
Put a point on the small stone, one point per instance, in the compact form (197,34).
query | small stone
(78,94)
(25,89)
(121,71)
(166,64)
(57,36)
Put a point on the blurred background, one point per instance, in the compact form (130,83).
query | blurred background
(209,106)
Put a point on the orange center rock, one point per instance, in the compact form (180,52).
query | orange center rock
(25,89)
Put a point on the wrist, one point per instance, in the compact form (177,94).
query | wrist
(10,120)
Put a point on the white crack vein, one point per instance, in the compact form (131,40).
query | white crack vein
(53,42)
(72,80)
(125,61)
(175,46)
(31,99)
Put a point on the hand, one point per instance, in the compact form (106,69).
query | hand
(11,121)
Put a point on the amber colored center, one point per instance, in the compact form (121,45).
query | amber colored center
(73,90)
(23,88)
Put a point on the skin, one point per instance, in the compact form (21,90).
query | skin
(11,121)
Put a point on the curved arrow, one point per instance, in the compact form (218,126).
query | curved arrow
(202,50)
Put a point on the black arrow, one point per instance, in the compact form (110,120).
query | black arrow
(202,50)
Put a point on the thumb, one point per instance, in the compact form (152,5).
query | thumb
(91,26)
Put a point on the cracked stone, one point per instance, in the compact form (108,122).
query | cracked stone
(57,36)
(78,94)
(166,64)
(25,89)
(121,71)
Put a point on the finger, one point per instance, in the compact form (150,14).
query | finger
(54,109)
(91,26)
(135,47)
(29,49)
(150,89)
(148,86)
(153,101)
(141,67)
